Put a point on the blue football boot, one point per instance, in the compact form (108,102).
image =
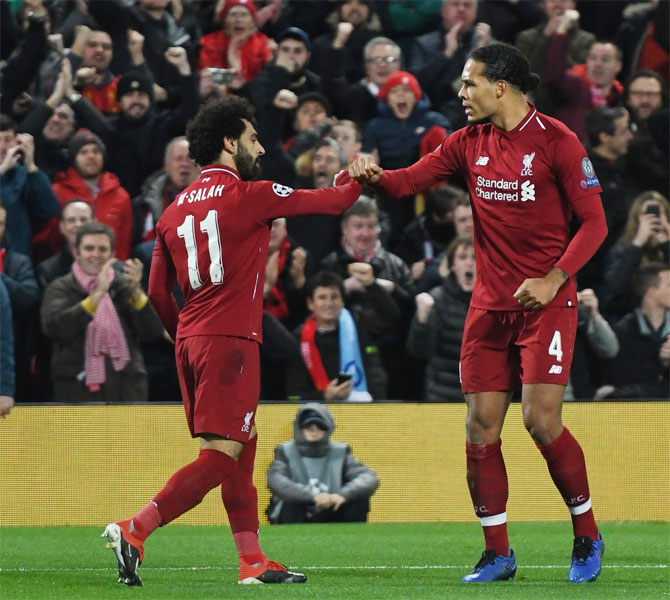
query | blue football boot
(492,567)
(586,559)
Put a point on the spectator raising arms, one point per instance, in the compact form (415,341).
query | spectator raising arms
(646,239)
(239,46)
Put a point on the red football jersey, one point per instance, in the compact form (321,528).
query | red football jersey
(525,185)
(214,240)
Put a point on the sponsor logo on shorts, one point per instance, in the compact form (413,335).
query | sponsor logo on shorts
(587,183)
(247,421)
(555,370)
(281,190)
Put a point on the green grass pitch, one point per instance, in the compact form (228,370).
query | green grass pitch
(352,561)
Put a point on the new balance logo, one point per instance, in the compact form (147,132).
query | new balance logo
(247,421)
(527,191)
(555,370)
(482,161)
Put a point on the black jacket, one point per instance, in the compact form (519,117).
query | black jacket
(299,384)
(637,371)
(135,149)
(438,341)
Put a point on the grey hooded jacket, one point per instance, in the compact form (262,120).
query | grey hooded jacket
(302,469)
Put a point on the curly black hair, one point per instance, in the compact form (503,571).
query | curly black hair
(216,120)
(502,61)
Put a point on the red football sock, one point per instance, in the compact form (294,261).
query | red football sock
(241,501)
(188,486)
(487,481)
(567,468)
(145,522)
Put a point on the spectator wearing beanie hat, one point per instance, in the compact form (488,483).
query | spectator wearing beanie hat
(239,45)
(140,87)
(137,135)
(81,139)
(135,81)
(86,179)
(397,133)
(353,24)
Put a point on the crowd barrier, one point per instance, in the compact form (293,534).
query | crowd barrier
(88,465)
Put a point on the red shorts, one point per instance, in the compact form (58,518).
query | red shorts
(503,349)
(219,377)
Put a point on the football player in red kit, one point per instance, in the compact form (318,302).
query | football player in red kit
(213,241)
(527,175)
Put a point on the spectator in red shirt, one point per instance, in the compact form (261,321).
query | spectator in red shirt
(238,46)
(584,87)
(86,179)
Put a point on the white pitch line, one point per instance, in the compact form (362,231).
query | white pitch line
(314,567)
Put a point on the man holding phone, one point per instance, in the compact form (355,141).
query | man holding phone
(338,362)
(26,190)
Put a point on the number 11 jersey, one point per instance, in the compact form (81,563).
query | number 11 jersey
(213,240)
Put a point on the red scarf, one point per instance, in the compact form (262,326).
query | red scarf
(104,334)
(311,356)
(275,303)
(597,97)
(2,259)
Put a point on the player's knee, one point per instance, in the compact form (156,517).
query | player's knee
(230,447)
(544,428)
(481,428)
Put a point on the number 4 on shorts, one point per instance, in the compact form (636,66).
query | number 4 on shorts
(555,347)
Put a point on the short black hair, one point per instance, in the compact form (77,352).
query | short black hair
(216,120)
(94,228)
(7,123)
(442,199)
(324,279)
(507,63)
(601,120)
(647,276)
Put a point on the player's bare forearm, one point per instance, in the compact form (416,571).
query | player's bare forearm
(167,310)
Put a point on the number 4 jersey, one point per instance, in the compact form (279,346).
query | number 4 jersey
(525,185)
(213,240)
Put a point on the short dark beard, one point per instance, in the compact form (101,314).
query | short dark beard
(247,167)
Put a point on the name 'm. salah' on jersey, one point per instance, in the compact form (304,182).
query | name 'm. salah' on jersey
(213,240)
(525,185)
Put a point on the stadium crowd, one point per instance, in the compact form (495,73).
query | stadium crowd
(95,98)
